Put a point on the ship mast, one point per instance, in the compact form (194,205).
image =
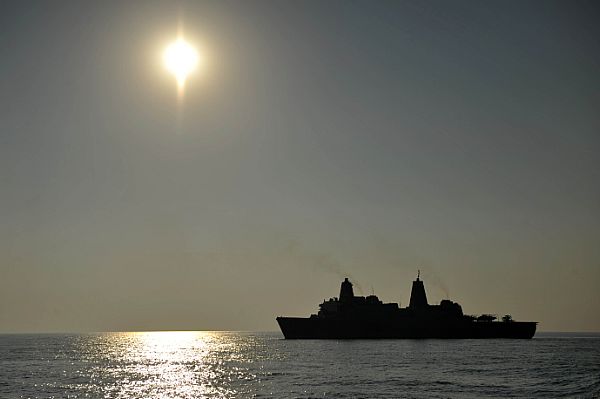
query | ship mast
(418,298)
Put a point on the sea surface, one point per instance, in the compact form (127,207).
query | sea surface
(262,365)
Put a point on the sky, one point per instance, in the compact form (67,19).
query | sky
(318,140)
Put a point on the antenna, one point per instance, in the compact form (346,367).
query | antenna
(418,274)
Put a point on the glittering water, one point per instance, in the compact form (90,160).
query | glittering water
(242,365)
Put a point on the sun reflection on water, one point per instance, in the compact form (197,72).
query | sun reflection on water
(171,364)
(182,364)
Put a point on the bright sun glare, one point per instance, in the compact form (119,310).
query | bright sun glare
(181,58)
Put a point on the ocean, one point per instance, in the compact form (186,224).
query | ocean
(264,365)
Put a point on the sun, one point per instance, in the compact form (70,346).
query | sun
(181,59)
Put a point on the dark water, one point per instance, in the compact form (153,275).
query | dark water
(242,365)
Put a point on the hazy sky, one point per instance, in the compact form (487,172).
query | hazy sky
(320,139)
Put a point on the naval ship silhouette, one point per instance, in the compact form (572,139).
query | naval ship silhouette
(359,317)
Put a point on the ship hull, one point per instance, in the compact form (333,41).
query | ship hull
(324,328)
